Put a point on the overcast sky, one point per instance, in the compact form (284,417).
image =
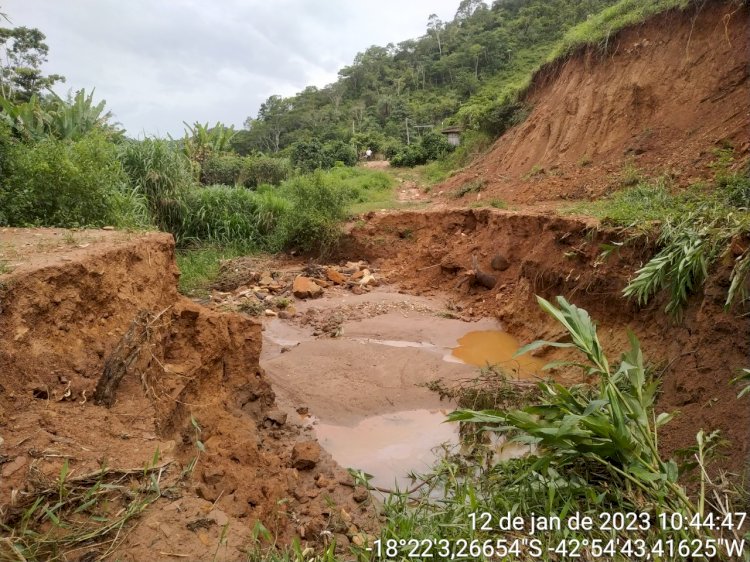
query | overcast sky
(161,62)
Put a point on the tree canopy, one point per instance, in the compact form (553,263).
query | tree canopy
(449,75)
(22,54)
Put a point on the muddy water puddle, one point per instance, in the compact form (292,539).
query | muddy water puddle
(367,388)
(494,347)
(389,446)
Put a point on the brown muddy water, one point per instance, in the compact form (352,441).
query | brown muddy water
(390,446)
(366,390)
(495,347)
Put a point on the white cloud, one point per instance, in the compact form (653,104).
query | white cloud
(161,63)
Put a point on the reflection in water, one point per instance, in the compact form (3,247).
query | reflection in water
(389,446)
(493,347)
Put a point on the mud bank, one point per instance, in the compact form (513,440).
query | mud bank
(65,307)
(549,255)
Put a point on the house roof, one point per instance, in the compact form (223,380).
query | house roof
(449,130)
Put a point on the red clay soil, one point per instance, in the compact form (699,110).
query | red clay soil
(64,308)
(663,96)
(548,255)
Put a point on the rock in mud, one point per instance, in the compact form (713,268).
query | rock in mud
(335,277)
(305,288)
(368,279)
(305,455)
(500,263)
(360,494)
(276,416)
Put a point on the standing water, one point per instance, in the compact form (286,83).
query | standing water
(493,347)
(389,446)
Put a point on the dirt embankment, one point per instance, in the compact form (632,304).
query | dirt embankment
(659,96)
(536,254)
(196,378)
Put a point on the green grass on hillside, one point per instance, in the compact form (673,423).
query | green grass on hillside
(695,227)
(498,103)
(599,28)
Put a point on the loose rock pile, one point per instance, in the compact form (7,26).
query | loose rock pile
(272,293)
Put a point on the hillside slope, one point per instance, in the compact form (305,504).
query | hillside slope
(658,101)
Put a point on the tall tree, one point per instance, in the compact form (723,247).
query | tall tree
(22,54)
(435,24)
(467,8)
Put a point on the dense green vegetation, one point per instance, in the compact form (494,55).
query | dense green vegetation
(694,227)
(469,71)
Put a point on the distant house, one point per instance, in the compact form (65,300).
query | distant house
(453,134)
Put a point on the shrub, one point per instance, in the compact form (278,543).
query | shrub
(307,155)
(64,184)
(431,146)
(391,147)
(6,145)
(409,156)
(435,145)
(312,155)
(224,169)
(736,187)
(266,170)
(318,205)
(338,151)
(160,171)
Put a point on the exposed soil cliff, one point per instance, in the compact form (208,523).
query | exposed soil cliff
(537,254)
(658,96)
(195,379)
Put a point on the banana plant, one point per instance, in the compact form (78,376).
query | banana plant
(29,120)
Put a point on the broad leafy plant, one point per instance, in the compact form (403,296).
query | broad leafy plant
(613,426)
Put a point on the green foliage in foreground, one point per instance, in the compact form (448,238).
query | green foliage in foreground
(229,215)
(696,227)
(95,182)
(595,452)
(160,172)
(68,184)
(78,513)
